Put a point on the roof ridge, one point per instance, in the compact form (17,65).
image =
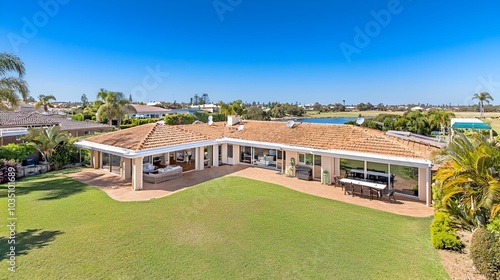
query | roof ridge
(148,135)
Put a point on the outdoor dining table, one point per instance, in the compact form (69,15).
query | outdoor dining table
(372,186)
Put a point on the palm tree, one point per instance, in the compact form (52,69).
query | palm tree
(47,140)
(44,101)
(482,97)
(112,105)
(469,180)
(11,86)
(440,119)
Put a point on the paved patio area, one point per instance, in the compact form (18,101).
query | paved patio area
(121,190)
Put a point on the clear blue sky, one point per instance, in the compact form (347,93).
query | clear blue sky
(290,51)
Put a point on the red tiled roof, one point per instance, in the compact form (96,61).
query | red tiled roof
(318,136)
(34,118)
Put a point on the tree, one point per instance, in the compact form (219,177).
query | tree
(10,87)
(85,101)
(112,105)
(482,97)
(439,119)
(44,101)
(47,140)
(317,106)
(468,182)
(130,98)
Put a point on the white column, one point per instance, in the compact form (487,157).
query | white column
(137,173)
(126,168)
(96,161)
(224,153)
(428,189)
(215,155)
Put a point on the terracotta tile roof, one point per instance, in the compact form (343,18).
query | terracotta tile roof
(149,109)
(319,136)
(148,136)
(11,119)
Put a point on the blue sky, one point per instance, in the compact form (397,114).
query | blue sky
(394,52)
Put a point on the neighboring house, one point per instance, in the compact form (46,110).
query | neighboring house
(18,122)
(146,111)
(328,150)
(211,108)
(182,111)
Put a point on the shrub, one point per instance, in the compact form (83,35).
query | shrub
(179,119)
(442,236)
(5,165)
(16,152)
(485,253)
(494,225)
(68,153)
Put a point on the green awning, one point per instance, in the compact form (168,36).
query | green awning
(470,125)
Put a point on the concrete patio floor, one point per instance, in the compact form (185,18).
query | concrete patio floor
(121,190)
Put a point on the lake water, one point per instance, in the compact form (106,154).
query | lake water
(327,120)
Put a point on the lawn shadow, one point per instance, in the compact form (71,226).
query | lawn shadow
(26,241)
(56,185)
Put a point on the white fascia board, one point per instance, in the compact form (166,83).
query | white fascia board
(127,153)
(413,162)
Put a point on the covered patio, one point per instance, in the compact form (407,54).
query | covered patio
(121,190)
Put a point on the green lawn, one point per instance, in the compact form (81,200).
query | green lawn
(230,228)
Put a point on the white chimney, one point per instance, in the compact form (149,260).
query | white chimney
(232,120)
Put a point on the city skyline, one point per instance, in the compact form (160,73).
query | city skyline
(391,52)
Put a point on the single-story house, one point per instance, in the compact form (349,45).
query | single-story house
(15,124)
(146,111)
(327,150)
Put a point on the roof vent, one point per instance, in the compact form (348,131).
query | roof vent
(240,127)
(290,124)
(160,122)
(210,120)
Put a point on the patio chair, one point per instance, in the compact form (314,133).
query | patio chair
(390,195)
(348,188)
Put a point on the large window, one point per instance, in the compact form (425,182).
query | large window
(405,179)
(306,159)
(230,151)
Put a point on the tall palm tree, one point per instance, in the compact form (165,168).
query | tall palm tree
(47,140)
(112,105)
(44,101)
(482,97)
(11,86)
(470,180)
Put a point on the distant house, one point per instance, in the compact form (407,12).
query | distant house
(15,124)
(211,108)
(146,111)
(182,111)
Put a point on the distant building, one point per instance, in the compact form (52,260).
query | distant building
(211,108)
(15,124)
(146,111)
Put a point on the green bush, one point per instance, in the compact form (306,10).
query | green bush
(16,152)
(485,253)
(68,153)
(494,225)
(442,236)
(179,119)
